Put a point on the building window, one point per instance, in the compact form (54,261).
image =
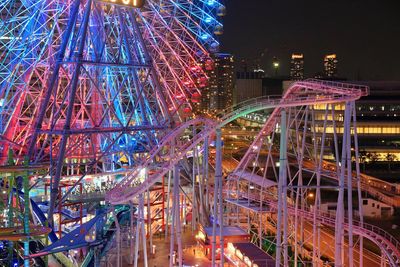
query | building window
(365,202)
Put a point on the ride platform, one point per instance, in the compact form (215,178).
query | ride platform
(17,233)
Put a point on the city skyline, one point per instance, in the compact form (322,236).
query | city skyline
(263,30)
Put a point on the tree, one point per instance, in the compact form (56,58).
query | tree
(390,158)
(362,157)
(373,157)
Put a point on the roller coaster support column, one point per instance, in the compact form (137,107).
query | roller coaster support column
(195,208)
(298,233)
(218,178)
(149,221)
(218,200)
(205,172)
(317,201)
(339,225)
(25,178)
(163,204)
(282,197)
(175,225)
(140,230)
(132,231)
(172,240)
(137,239)
(117,238)
(10,205)
(360,206)
(177,213)
(99,235)
(167,212)
(347,128)
(201,184)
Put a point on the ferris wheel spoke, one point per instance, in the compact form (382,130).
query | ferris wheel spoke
(129,72)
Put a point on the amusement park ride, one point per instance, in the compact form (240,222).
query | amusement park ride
(98,140)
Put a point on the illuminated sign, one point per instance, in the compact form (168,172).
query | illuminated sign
(297,56)
(333,56)
(129,3)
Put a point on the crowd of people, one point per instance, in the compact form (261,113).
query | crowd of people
(88,188)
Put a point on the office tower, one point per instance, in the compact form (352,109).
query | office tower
(218,94)
(297,67)
(330,65)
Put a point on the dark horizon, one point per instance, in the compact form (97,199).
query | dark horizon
(365,35)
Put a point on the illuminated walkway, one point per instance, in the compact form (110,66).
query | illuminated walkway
(161,259)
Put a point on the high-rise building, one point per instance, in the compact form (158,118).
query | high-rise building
(297,67)
(330,65)
(248,86)
(218,94)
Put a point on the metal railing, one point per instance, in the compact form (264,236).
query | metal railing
(372,232)
(342,85)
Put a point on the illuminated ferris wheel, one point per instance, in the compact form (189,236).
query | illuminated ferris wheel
(87,86)
(85,79)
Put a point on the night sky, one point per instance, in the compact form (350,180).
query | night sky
(365,34)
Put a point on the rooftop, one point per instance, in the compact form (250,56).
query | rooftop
(255,254)
(227,231)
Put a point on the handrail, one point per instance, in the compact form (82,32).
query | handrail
(364,178)
(329,218)
(358,223)
(275,103)
(347,87)
(247,102)
(363,88)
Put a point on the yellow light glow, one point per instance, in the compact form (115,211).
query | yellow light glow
(297,56)
(332,56)
(201,236)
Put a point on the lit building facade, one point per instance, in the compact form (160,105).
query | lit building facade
(297,67)
(218,94)
(378,123)
(378,120)
(330,65)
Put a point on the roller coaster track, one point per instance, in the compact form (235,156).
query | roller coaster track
(366,186)
(386,242)
(309,92)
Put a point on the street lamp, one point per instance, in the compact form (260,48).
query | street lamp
(275,65)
